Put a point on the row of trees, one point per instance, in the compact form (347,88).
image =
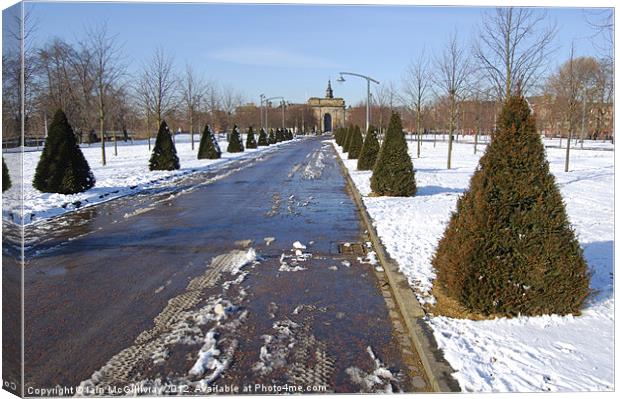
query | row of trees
(90,79)
(62,167)
(457,89)
(460,88)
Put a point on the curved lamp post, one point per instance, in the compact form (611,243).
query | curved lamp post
(262,99)
(368,80)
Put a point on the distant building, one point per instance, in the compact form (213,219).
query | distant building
(328,111)
(551,118)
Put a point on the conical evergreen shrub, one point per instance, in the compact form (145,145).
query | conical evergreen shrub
(272,137)
(250,141)
(164,155)
(509,248)
(340,136)
(262,138)
(279,135)
(355,144)
(209,148)
(235,144)
(346,139)
(6,179)
(393,173)
(62,167)
(370,150)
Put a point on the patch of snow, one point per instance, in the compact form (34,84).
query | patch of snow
(238,259)
(298,245)
(380,379)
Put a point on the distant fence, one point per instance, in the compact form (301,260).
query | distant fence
(83,138)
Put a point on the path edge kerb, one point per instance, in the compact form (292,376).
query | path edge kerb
(437,369)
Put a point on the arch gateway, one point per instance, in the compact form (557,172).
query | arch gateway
(328,111)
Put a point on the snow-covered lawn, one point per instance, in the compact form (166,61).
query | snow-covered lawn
(548,353)
(124,174)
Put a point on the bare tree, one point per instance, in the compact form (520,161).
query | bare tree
(107,70)
(482,108)
(514,47)
(18,71)
(160,83)
(193,91)
(382,97)
(212,100)
(602,22)
(230,100)
(416,82)
(565,86)
(453,70)
(145,101)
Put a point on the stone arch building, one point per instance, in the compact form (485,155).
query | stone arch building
(328,111)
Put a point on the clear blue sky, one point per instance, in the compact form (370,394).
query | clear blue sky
(288,50)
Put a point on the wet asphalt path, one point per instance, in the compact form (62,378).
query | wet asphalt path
(129,290)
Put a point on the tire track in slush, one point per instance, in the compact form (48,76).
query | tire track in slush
(180,322)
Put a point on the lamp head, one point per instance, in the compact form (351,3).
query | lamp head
(340,79)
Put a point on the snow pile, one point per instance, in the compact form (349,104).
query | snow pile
(290,263)
(379,380)
(276,348)
(238,259)
(314,167)
(126,173)
(549,353)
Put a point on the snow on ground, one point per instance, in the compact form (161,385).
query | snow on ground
(547,353)
(124,174)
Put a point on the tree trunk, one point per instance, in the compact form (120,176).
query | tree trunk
(570,130)
(101,131)
(451,132)
(148,128)
(476,141)
(418,122)
(191,128)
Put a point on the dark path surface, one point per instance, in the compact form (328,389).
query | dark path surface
(198,285)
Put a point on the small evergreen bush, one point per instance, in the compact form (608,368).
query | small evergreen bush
(164,155)
(262,138)
(272,137)
(370,150)
(356,142)
(250,141)
(509,248)
(393,173)
(209,148)
(337,135)
(235,144)
(62,167)
(6,179)
(279,135)
(346,138)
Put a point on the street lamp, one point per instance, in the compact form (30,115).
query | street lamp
(262,98)
(368,80)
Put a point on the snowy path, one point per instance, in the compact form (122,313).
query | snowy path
(210,283)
